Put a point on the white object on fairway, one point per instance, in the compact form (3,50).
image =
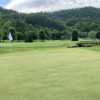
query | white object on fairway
(10,37)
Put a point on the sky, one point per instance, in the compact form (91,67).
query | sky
(28,6)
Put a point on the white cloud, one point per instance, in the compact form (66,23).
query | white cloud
(49,5)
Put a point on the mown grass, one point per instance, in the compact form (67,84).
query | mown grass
(15,47)
(50,73)
(95,48)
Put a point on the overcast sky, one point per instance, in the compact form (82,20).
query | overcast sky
(46,5)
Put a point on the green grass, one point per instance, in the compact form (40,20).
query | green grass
(49,71)
(15,47)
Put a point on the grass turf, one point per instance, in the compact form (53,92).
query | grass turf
(50,73)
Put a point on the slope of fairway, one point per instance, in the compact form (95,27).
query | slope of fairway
(50,74)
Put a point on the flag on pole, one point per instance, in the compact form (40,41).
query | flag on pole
(10,37)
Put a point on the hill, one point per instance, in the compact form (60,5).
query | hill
(79,13)
(85,19)
(54,25)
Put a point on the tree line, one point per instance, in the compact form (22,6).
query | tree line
(50,26)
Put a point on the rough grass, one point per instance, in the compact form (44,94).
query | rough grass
(50,73)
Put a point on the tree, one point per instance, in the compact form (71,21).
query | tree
(20,36)
(92,35)
(65,35)
(5,29)
(28,37)
(75,36)
(42,35)
(98,35)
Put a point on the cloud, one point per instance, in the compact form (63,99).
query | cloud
(49,5)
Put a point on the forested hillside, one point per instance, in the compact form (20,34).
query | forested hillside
(55,25)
